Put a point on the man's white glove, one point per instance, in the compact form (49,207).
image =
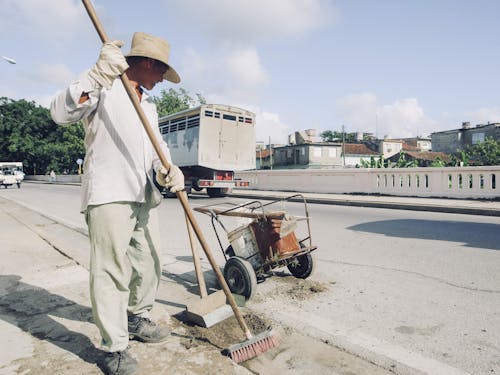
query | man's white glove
(172,179)
(110,64)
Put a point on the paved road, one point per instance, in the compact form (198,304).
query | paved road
(415,292)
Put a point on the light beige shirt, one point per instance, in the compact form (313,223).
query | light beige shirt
(119,158)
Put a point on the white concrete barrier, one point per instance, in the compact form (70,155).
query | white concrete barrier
(459,182)
(61,178)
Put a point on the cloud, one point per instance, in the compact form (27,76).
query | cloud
(401,119)
(52,21)
(245,67)
(55,74)
(484,115)
(269,127)
(247,21)
(230,70)
(235,73)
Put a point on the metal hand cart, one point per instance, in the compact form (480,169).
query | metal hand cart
(266,242)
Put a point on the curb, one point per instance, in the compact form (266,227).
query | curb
(379,204)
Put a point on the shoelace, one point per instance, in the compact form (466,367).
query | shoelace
(145,321)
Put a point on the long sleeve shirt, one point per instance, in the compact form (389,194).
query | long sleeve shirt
(119,157)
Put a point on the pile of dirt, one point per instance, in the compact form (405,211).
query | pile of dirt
(223,334)
(298,289)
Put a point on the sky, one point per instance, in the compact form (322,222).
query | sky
(393,68)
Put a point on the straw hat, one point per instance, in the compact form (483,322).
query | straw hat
(146,45)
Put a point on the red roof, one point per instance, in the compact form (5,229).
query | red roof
(262,153)
(358,149)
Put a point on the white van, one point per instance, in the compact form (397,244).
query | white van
(9,178)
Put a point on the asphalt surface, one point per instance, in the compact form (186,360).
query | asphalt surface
(44,304)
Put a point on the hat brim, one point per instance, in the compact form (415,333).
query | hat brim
(171,75)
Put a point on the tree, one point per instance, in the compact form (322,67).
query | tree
(28,134)
(484,153)
(330,136)
(438,163)
(337,136)
(173,101)
(374,163)
(403,163)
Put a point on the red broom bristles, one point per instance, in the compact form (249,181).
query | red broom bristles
(253,347)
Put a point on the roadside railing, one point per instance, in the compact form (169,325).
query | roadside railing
(460,182)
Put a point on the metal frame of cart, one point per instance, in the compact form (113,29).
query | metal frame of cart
(268,242)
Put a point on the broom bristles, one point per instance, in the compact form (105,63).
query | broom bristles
(252,347)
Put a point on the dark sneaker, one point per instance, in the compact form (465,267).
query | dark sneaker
(143,329)
(119,363)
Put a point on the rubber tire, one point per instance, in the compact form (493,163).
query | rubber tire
(240,277)
(230,251)
(305,267)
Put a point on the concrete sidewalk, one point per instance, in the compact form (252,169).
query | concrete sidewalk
(45,316)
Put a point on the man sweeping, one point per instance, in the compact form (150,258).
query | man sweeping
(119,198)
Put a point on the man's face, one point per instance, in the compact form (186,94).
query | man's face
(154,71)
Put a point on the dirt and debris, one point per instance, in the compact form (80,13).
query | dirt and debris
(223,334)
(298,289)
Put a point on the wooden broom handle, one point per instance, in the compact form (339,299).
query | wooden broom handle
(181,195)
(196,260)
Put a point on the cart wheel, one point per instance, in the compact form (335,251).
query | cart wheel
(230,251)
(240,276)
(302,266)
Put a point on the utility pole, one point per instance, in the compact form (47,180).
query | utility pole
(343,146)
(270,154)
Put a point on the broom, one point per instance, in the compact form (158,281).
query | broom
(255,344)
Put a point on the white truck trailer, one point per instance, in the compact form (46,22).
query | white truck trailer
(209,143)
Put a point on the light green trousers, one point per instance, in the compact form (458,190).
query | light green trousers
(125,268)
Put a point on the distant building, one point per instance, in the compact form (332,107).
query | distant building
(389,147)
(355,153)
(321,155)
(263,158)
(308,155)
(451,141)
(419,143)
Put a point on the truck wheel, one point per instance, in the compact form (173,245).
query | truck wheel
(217,192)
(196,186)
(302,266)
(240,277)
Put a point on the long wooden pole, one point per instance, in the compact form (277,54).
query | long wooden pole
(181,195)
(196,260)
